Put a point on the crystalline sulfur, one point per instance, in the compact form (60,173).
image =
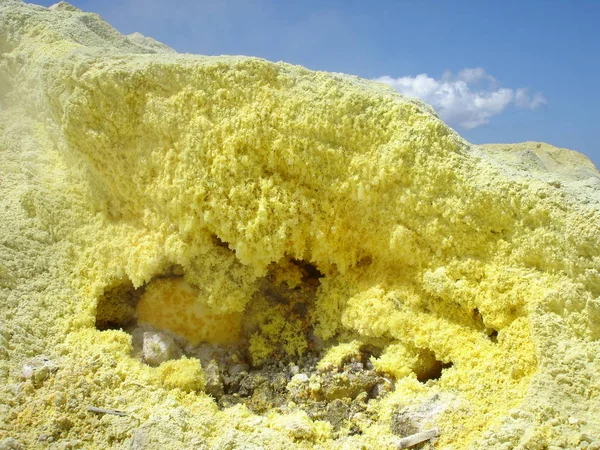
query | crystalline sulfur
(120,159)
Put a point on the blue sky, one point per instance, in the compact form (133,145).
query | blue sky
(533,66)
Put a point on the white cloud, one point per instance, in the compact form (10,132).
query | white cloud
(467,99)
(470,75)
(522,99)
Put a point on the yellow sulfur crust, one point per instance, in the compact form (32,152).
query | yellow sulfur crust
(121,159)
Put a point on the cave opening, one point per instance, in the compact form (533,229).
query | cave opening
(433,370)
(273,359)
(115,308)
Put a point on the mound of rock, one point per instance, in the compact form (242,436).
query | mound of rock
(225,252)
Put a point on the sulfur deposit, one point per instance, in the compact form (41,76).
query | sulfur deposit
(224,252)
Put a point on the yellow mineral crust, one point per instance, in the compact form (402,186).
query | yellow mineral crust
(124,165)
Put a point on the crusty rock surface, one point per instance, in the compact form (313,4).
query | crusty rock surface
(290,213)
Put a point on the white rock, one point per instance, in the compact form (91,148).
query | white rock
(159,347)
(37,369)
(300,378)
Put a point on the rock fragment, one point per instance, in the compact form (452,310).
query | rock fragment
(38,369)
(159,347)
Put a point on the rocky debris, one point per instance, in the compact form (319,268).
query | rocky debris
(337,396)
(347,384)
(382,388)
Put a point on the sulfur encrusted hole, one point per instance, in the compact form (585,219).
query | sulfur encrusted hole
(272,356)
(431,368)
(479,322)
(311,274)
(365,262)
(116,306)
(219,242)
(478,319)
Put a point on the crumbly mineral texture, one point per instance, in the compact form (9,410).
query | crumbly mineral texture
(472,271)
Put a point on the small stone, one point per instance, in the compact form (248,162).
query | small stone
(37,370)
(159,347)
(298,426)
(586,437)
(214,382)
(355,366)
(347,384)
(279,382)
(363,397)
(298,386)
(262,398)
(300,378)
(382,388)
(314,386)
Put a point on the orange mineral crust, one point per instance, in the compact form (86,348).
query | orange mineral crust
(172,304)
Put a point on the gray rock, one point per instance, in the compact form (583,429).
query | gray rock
(214,382)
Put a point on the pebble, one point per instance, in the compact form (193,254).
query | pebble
(382,388)
(37,370)
(294,370)
(214,382)
(300,378)
(355,366)
(159,347)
